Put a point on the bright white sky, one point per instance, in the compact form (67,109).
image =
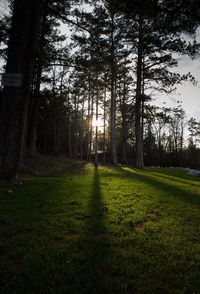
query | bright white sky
(187,93)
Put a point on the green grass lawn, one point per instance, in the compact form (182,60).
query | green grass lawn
(77,229)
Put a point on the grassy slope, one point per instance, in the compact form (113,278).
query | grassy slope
(111,230)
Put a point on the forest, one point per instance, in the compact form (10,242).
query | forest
(89,93)
(99,175)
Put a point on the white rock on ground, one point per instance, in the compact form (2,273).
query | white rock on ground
(193,172)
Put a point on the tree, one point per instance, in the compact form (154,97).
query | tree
(25,25)
(155,32)
(47,53)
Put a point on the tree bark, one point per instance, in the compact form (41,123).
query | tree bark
(104,128)
(124,128)
(36,103)
(89,117)
(97,117)
(35,113)
(113,97)
(25,25)
(138,103)
(91,129)
(69,127)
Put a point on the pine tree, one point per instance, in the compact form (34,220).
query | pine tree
(25,25)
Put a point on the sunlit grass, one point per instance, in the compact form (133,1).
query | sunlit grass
(105,230)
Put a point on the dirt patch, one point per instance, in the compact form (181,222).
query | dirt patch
(21,232)
(51,166)
(155,213)
(124,251)
(14,231)
(139,226)
(155,210)
(99,237)
(15,264)
(82,217)
(61,241)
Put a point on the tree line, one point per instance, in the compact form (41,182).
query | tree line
(89,95)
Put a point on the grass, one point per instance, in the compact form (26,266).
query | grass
(79,229)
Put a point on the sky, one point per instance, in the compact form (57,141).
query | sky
(187,93)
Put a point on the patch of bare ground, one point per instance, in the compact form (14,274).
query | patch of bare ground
(51,166)
(15,264)
(22,232)
(124,250)
(139,226)
(61,241)
(154,215)
(99,237)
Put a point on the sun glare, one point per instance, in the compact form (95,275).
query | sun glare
(97,123)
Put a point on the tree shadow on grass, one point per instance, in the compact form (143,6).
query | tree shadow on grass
(75,266)
(182,179)
(85,260)
(85,264)
(92,248)
(97,244)
(151,180)
(173,190)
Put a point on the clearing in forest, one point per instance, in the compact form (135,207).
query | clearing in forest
(79,229)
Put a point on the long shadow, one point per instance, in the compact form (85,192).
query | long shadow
(94,246)
(80,265)
(179,180)
(97,250)
(86,262)
(174,191)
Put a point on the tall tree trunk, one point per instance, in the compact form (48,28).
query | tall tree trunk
(91,129)
(36,103)
(104,128)
(89,117)
(25,25)
(45,142)
(76,128)
(138,103)
(82,128)
(69,137)
(97,118)
(35,113)
(69,127)
(113,96)
(181,142)
(124,131)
